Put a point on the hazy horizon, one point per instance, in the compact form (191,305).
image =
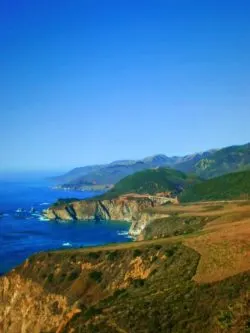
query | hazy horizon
(54,171)
(87,83)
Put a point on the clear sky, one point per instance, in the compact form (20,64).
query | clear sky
(92,81)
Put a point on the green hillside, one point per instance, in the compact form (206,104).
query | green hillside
(226,160)
(151,181)
(218,162)
(227,187)
(207,164)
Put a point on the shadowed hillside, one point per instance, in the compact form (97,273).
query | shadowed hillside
(227,187)
(152,181)
(225,160)
(207,164)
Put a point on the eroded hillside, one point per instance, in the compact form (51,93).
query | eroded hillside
(148,286)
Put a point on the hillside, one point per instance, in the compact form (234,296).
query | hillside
(110,173)
(227,187)
(176,284)
(188,162)
(225,160)
(75,173)
(208,164)
(152,181)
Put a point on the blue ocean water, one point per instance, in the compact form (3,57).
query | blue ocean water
(21,236)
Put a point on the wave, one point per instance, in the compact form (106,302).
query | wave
(66,244)
(130,237)
(122,233)
(44,204)
(36,215)
(42,218)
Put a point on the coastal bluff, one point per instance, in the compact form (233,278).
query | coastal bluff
(131,208)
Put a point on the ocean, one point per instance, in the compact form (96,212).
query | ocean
(23,231)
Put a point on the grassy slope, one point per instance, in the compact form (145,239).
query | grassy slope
(228,187)
(174,225)
(151,181)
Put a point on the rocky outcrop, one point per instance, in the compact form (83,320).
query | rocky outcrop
(49,290)
(132,209)
(27,307)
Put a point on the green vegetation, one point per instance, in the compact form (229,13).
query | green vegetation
(171,250)
(50,277)
(207,164)
(174,225)
(152,181)
(226,160)
(137,283)
(91,312)
(164,298)
(94,255)
(109,173)
(73,275)
(112,255)
(227,187)
(169,301)
(64,201)
(137,253)
(218,162)
(96,276)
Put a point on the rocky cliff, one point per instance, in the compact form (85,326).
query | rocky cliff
(50,290)
(134,209)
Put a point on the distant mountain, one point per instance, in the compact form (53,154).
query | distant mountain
(188,162)
(159,160)
(206,164)
(152,181)
(227,187)
(111,173)
(226,160)
(75,173)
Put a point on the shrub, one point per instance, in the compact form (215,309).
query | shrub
(94,255)
(153,272)
(73,275)
(225,319)
(171,251)
(112,255)
(92,311)
(138,283)
(137,253)
(119,292)
(50,277)
(96,276)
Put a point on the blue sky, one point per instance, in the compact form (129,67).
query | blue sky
(89,81)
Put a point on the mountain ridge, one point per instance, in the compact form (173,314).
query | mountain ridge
(207,164)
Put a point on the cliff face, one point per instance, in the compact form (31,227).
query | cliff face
(134,210)
(27,307)
(50,290)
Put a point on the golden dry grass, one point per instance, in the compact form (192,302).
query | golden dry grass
(224,243)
